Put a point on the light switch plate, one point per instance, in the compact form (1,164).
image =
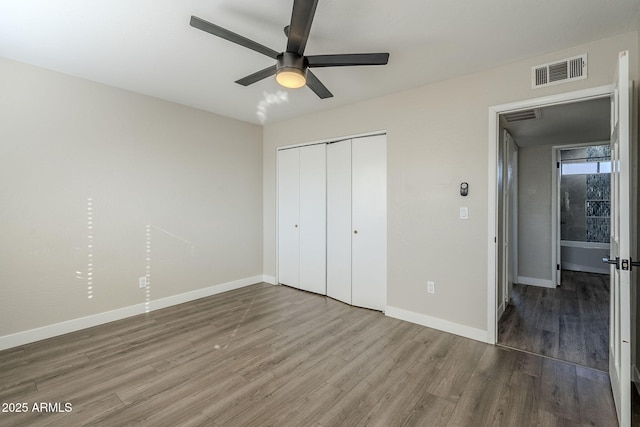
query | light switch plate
(464,212)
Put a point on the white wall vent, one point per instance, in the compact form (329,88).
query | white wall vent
(556,72)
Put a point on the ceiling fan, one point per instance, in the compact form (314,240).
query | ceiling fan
(292,66)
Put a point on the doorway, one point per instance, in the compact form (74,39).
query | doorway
(623,214)
(555,302)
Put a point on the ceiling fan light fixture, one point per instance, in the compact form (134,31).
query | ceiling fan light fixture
(292,78)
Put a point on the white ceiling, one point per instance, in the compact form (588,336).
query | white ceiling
(572,123)
(147,46)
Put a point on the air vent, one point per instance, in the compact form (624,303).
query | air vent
(567,70)
(518,116)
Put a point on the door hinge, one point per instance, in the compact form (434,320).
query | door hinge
(558,267)
(557,165)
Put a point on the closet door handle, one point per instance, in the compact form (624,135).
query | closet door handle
(355,231)
(296,226)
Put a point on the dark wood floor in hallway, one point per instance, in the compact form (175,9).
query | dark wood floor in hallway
(569,323)
(271,355)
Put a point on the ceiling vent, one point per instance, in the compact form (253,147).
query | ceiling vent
(563,71)
(518,116)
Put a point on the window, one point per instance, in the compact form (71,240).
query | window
(583,168)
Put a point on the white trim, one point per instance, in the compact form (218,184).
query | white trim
(501,309)
(556,251)
(584,268)
(435,323)
(269,279)
(534,281)
(492,217)
(334,139)
(37,334)
(492,247)
(585,245)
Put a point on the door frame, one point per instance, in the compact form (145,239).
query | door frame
(556,177)
(493,196)
(509,226)
(276,278)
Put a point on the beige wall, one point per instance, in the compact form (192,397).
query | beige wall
(437,138)
(195,178)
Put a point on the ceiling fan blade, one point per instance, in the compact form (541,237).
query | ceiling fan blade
(301,20)
(257,76)
(317,87)
(347,60)
(210,28)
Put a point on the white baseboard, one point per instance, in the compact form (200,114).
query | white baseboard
(533,281)
(585,268)
(501,310)
(269,279)
(32,335)
(440,324)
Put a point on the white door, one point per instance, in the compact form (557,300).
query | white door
(369,222)
(339,221)
(288,217)
(620,328)
(313,218)
(510,215)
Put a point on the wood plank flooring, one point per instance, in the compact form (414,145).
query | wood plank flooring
(270,355)
(569,323)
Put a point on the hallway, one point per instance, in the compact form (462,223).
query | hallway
(569,323)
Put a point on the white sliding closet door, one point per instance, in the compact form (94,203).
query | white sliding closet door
(369,222)
(339,221)
(313,218)
(288,217)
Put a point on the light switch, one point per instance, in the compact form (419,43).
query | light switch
(464,212)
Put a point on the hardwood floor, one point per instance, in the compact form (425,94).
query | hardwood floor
(271,355)
(569,323)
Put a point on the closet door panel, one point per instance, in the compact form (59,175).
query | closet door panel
(369,217)
(313,218)
(288,217)
(339,221)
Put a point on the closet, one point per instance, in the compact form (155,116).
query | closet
(332,236)
(302,217)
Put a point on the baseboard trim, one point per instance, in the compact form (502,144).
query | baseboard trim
(533,281)
(501,310)
(269,279)
(584,268)
(49,331)
(436,323)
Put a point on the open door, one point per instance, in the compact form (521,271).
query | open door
(620,256)
(509,216)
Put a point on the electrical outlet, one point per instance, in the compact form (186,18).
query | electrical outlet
(431,287)
(142,282)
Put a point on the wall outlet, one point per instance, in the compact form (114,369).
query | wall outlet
(142,282)
(431,287)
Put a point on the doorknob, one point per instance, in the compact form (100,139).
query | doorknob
(355,231)
(615,262)
(296,226)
